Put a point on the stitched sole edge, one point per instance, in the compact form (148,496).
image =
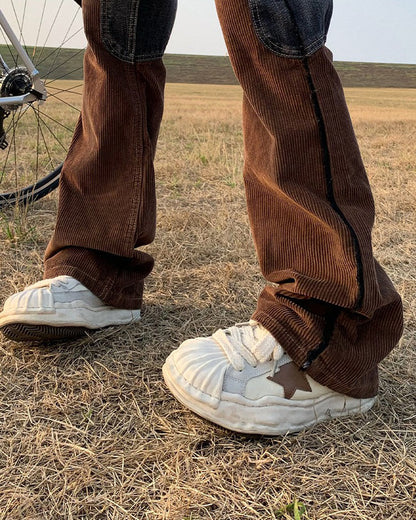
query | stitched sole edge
(228,420)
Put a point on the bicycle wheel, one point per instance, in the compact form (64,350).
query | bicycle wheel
(35,136)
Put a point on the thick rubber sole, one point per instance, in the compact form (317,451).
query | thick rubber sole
(62,325)
(41,333)
(280,418)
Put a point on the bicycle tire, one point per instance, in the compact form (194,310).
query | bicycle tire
(39,134)
(34,192)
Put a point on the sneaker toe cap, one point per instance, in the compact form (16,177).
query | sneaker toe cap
(29,301)
(199,366)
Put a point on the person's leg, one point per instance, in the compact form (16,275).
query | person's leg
(107,197)
(330,305)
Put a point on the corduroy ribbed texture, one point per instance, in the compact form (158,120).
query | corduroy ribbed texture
(311,212)
(331,306)
(107,204)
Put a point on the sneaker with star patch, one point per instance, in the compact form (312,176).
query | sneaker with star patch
(241,379)
(56,309)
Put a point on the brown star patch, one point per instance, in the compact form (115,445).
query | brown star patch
(291,379)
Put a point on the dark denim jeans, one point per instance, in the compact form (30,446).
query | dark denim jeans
(139,30)
(291,28)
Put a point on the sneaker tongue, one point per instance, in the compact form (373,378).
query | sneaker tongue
(49,282)
(63,278)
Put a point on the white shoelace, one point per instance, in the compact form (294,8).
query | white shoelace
(248,342)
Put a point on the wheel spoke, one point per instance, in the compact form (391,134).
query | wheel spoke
(39,133)
(51,28)
(39,28)
(37,147)
(15,157)
(65,40)
(49,128)
(55,121)
(20,24)
(65,102)
(70,89)
(65,75)
(13,124)
(79,51)
(12,53)
(36,112)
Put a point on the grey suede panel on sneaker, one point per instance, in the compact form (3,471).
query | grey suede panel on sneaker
(87,297)
(235,382)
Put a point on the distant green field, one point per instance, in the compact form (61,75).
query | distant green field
(217,69)
(51,62)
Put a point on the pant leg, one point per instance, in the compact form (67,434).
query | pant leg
(107,194)
(330,304)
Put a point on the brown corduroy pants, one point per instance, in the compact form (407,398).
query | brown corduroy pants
(330,304)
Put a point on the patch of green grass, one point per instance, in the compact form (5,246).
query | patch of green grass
(295,510)
(204,160)
(15,228)
(230,181)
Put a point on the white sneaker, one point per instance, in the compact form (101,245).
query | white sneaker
(241,379)
(58,308)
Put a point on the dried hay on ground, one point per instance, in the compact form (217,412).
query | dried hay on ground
(88,429)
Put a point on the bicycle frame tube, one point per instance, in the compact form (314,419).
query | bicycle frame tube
(38,91)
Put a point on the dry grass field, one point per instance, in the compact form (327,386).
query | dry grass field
(88,431)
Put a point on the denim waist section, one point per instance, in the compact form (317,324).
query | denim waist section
(137,30)
(291,28)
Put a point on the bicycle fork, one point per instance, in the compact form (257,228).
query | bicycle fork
(19,85)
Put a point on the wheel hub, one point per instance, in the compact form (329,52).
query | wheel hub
(17,82)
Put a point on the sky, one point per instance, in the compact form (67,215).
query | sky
(361,30)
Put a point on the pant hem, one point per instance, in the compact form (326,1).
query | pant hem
(97,287)
(320,369)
